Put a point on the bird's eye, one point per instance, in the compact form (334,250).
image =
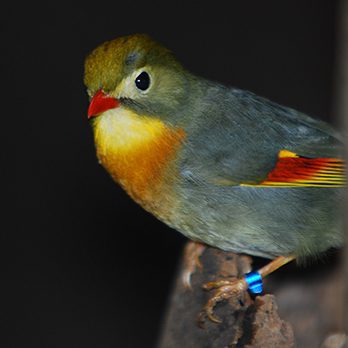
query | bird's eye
(143,81)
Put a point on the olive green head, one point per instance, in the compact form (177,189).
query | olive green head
(138,72)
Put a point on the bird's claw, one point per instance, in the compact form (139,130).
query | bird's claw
(224,290)
(215,285)
(192,252)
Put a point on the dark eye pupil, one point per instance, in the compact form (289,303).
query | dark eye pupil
(143,81)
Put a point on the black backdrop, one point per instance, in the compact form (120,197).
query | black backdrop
(81,264)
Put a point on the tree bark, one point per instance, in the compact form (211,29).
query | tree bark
(246,322)
(306,307)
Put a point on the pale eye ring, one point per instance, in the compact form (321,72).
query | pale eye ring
(143,81)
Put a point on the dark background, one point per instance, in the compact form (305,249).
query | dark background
(81,264)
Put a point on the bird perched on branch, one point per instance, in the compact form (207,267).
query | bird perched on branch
(222,166)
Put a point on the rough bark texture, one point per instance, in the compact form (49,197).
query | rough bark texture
(246,323)
(305,310)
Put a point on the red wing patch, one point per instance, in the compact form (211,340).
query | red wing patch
(293,170)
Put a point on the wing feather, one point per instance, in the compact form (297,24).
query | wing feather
(293,170)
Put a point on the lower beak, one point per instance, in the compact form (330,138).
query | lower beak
(101,102)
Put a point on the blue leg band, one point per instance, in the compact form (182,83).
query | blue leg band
(254,280)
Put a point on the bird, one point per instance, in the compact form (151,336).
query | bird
(221,165)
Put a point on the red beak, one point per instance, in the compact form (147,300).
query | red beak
(100,103)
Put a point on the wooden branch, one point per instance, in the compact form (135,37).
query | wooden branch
(245,324)
(308,298)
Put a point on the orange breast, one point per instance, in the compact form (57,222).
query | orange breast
(142,158)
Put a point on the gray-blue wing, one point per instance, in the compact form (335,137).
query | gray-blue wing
(238,136)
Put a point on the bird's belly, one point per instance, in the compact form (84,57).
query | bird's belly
(264,222)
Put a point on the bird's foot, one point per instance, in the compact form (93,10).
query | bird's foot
(235,289)
(225,290)
(192,253)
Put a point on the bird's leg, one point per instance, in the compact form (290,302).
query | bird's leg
(274,265)
(192,252)
(226,289)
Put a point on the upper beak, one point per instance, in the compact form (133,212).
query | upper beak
(100,103)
